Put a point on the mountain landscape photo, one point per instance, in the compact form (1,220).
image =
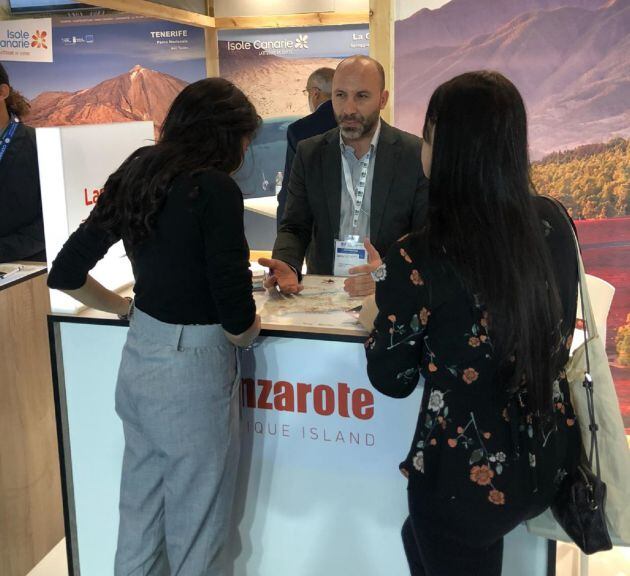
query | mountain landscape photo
(274,84)
(569,59)
(139,94)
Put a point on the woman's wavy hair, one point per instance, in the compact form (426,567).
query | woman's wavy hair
(15,103)
(482,214)
(206,126)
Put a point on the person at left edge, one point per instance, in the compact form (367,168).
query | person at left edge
(21,220)
(180,216)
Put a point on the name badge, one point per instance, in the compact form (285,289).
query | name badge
(348,254)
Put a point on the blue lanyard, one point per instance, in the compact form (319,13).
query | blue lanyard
(8,136)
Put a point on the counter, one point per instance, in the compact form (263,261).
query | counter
(319,491)
(31,520)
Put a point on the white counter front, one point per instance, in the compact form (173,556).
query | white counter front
(319,492)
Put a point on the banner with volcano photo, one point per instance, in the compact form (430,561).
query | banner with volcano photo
(108,68)
(272,67)
(569,59)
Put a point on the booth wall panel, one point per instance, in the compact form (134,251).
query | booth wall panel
(31,519)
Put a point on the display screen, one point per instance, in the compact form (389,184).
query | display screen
(44,5)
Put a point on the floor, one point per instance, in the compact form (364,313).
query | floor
(613,563)
(54,564)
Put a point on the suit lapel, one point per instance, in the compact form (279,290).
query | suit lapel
(386,155)
(331,172)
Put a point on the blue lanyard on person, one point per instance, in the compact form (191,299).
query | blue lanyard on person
(7,136)
(357,193)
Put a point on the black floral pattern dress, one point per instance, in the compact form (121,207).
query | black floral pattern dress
(479,463)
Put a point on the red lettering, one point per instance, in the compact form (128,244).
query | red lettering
(344,391)
(303,391)
(263,402)
(95,194)
(327,407)
(249,392)
(283,399)
(363,404)
(282,396)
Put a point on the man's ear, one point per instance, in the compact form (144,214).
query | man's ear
(384,98)
(4,91)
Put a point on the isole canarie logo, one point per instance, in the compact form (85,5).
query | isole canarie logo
(39,39)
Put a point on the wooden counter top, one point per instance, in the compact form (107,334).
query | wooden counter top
(322,308)
(28,270)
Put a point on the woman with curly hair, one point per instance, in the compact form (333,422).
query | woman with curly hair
(180,216)
(481,303)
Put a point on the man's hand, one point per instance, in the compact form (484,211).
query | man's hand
(281,275)
(362,283)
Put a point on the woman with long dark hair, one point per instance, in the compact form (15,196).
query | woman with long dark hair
(482,304)
(180,216)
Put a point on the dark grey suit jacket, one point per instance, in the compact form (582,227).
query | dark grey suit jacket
(313,210)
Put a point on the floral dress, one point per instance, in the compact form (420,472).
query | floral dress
(479,463)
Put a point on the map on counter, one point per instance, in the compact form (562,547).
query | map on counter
(321,295)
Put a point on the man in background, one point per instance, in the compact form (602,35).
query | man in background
(21,220)
(320,120)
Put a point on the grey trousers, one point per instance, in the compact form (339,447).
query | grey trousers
(178,398)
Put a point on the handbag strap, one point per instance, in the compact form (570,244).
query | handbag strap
(589,326)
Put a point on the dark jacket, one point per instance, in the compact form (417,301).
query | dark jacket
(320,121)
(313,211)
(21,221)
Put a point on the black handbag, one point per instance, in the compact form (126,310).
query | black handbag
(581,497)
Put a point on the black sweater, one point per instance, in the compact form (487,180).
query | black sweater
(193,269)
(21,222)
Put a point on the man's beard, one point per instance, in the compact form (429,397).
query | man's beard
(365,126)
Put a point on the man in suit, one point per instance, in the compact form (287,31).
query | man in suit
(322,118)
(21,220)
(363,179)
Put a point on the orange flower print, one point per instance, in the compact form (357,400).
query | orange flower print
(496,497)
(406,256)
(39,39)
(483,337)
(474,342)
(570,422)
(392,318)
(416,279)
(404,472)
(487,435)
(423,315)
(484,320)
(432,367)
(452,442)
(470,375)
(460,430)
(482,475)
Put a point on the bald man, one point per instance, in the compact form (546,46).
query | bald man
(357,185)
